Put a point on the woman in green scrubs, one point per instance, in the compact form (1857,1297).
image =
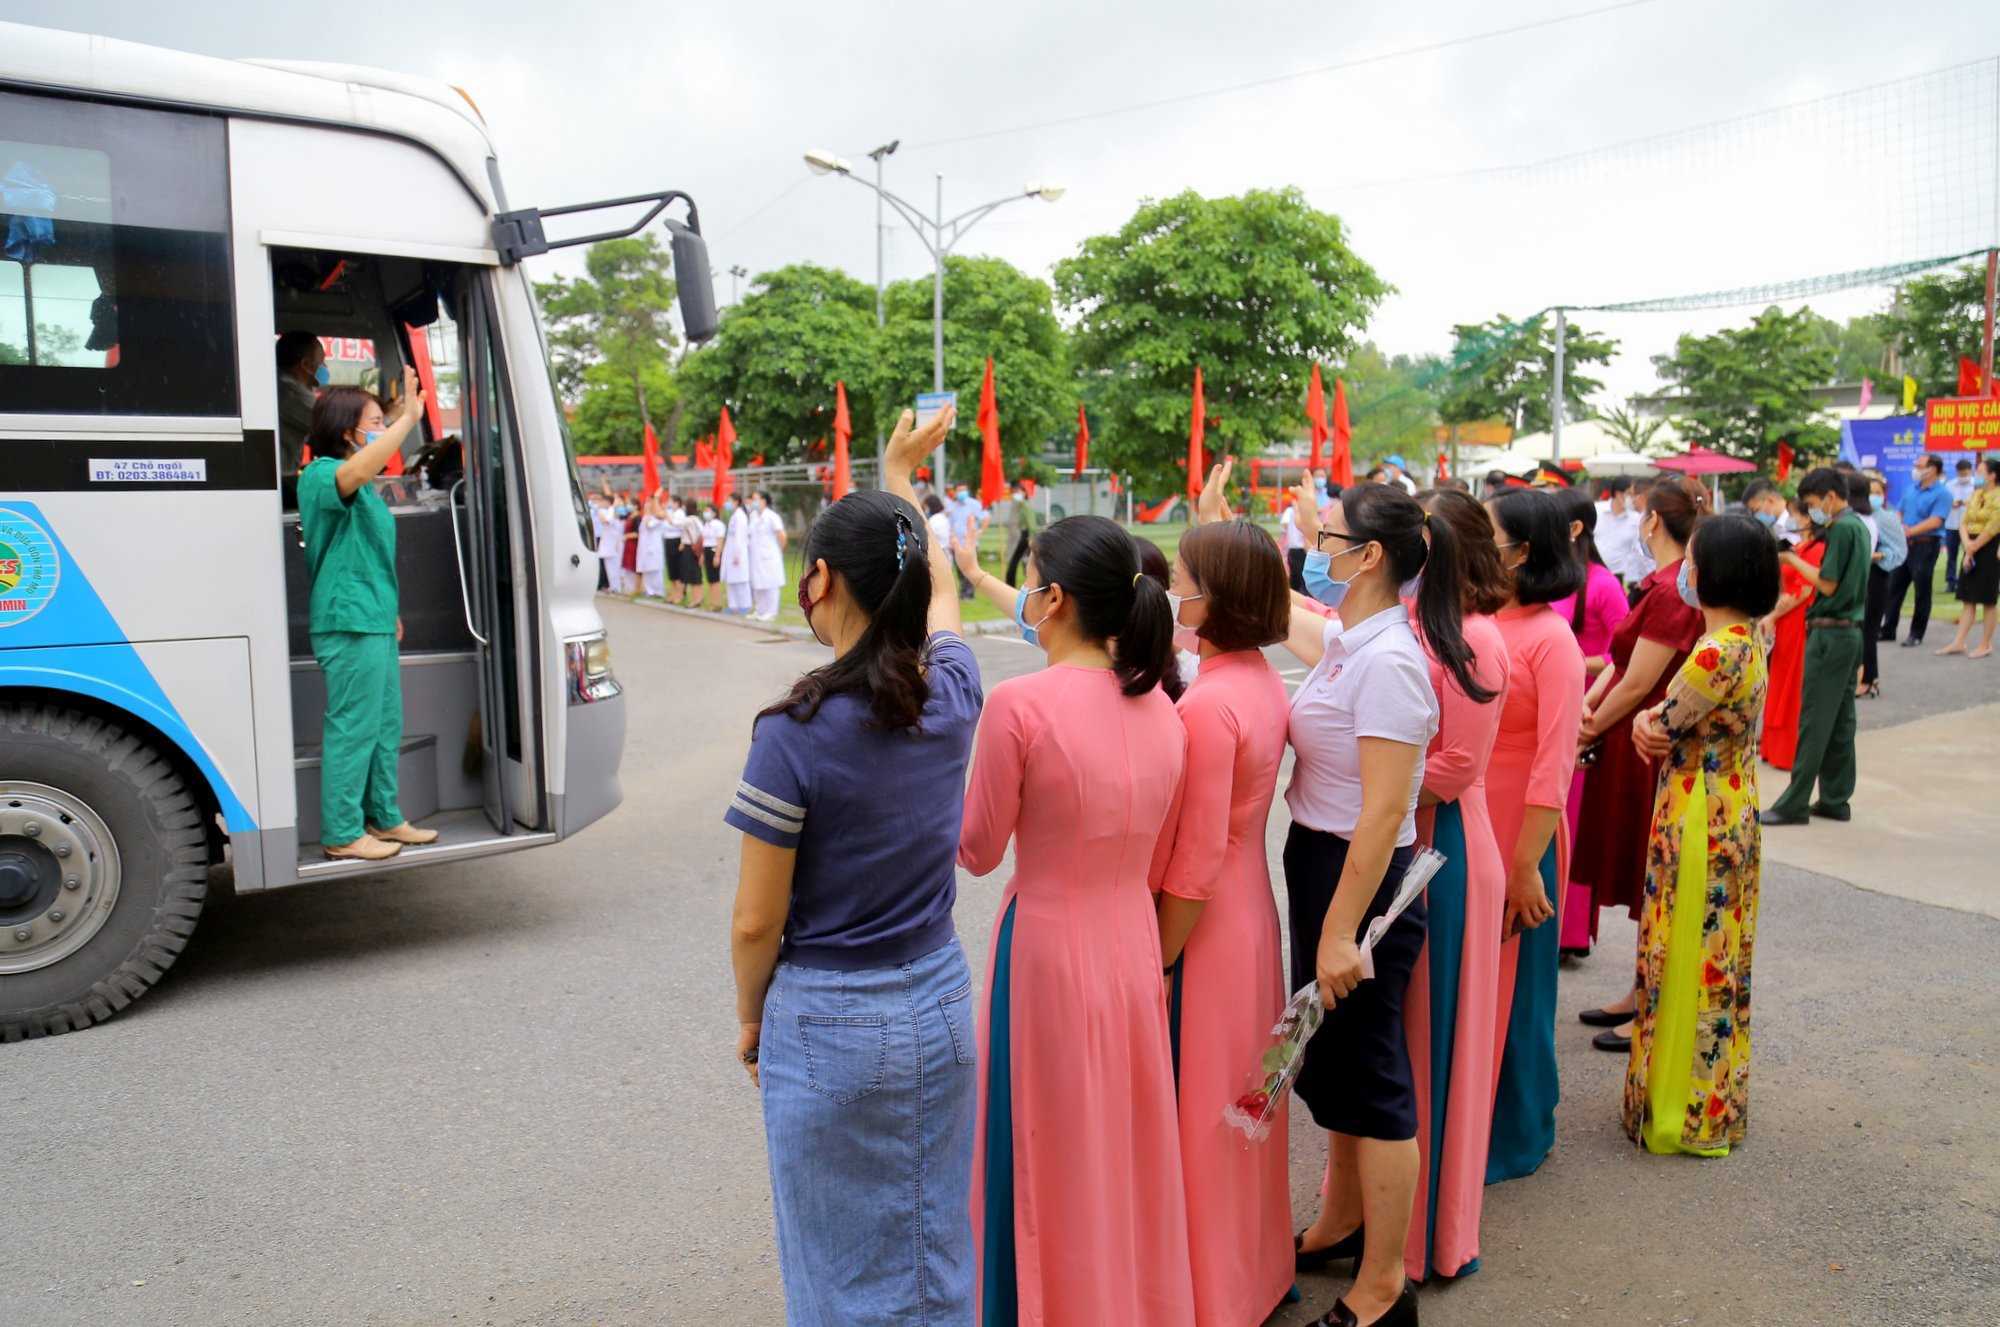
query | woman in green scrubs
(350,540)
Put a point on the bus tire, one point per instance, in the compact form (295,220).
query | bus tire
(77,780)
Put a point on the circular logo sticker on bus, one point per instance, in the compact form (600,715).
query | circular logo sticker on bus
(29,568)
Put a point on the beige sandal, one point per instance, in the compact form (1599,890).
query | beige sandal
(406,833)
(367,848)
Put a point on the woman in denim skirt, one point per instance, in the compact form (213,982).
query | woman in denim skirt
(852,995)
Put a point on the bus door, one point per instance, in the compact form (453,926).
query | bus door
(496,542)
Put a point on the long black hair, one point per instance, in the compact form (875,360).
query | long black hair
(1094,561)
(1536,520)
(875,542)
(1153,561)
(1577,507)
(1411,543)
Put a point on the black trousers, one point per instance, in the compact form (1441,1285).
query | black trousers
(1874,614)
(1295,560)
(1016,558)
(1918,569)
(1951,542)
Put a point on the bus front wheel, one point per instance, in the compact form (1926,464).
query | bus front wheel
(103,869)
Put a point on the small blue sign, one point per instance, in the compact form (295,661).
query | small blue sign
(930,403)
(1891,445)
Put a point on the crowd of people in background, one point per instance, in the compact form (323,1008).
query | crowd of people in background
(1565,694)
(691,554)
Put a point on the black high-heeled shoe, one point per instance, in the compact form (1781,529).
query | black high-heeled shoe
(1403,1313)
(1337,1251)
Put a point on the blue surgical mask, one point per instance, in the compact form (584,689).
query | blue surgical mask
(1319,584)
(1767,518)
(368,439)
(1819,516)
(1029,633)
(321,376)
(1687,591)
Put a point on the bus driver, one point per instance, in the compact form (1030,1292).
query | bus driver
(350,539)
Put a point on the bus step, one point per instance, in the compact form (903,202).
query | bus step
(416,782)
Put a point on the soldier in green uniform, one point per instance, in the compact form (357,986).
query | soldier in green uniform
(1833,651)
(350,540)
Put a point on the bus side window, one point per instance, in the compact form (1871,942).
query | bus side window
(114,261)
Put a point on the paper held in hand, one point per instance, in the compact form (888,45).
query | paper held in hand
(1270,1079)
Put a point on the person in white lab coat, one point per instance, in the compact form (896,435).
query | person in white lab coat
(736,557)
(767,557)
(609,519)
(652,555)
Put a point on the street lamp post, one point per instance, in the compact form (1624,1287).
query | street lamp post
(886,150)
(939,235)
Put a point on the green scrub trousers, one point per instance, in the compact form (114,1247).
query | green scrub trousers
(363,733)
(1825,751)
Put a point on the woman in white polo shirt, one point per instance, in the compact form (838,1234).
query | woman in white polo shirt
(1359,726)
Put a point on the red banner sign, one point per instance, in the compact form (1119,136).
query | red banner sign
(1962,424)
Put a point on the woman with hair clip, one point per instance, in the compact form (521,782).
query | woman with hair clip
(1527,783)
(853,999)
(1647,649)
(350,539)
(1454,989)
(1687,1082)
(1360,723)
(1593,616)
(1077,1202)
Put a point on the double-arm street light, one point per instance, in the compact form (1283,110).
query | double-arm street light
(938,234)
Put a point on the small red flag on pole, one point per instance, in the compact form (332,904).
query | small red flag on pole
(1197,429)
(992,484)
(1316,416)
(1784,461)
(843,429)
(649,466)
(1342,470)
(1082,441)
(725,447)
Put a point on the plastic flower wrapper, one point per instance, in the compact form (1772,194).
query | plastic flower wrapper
(1268,1083)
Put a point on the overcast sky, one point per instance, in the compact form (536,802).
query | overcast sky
(589,98)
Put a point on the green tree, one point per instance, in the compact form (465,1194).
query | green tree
(1251,288)
(1505,370)
(775,360)
(607,420)
(1744,390)
(991,308)
(1934,320)
(1390,402)
(1634,431)
(617,315)
(1860,346)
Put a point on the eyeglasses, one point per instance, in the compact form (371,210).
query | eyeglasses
(1320,537)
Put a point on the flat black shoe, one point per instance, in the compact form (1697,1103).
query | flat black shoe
(1603,1018)
(1337,1251)
(1911,642)
(1403,1313)
(1825,812)
(1768,818)
(1608,1040)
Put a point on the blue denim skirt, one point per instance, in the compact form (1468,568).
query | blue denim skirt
(869,1084)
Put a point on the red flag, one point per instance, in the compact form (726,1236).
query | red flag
(1784,460)
(649,467)
(725,448)
(1316,416)
(1342,470)
(1970,378)
(704,454)
(1196,429)
(843,429)
(1444,471)
(992,484)
(1082,440)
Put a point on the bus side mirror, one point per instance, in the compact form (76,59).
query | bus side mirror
(695,281)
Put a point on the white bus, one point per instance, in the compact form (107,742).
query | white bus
(164,219)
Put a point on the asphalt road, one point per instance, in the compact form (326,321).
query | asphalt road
(503,1093)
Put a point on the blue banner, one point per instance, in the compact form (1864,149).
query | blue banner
(1891,445)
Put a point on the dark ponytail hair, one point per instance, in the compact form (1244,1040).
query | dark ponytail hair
(1536,520)
(1679,503)
(1153,561)
(1411,543)
(1093,560)
(875,542)
(1577,506)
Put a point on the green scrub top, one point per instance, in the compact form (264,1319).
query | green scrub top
(350,553)
(1845,564)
